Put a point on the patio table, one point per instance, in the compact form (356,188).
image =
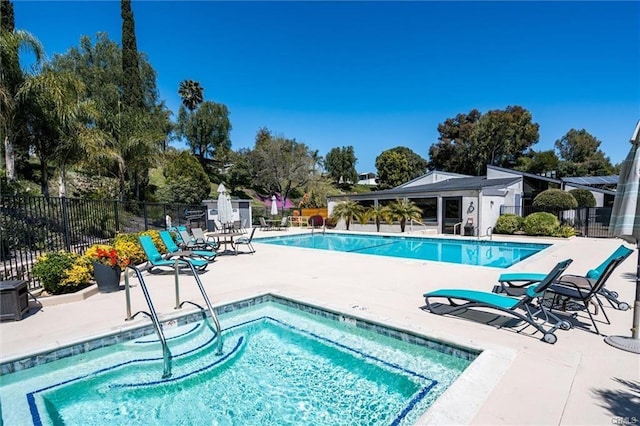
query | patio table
(224,238)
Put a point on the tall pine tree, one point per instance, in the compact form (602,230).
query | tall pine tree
(132,96)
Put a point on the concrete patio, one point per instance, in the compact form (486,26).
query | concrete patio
(579,380)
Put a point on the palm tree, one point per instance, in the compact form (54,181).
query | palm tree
(61,98)
(404,210)
(191,93)
(347,210)
(11,79)
(378,214)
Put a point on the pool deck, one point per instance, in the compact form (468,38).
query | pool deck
(520,380)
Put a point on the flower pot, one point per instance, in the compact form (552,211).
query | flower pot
(107,277)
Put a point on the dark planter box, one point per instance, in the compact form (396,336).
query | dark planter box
(14,299)
(107,277)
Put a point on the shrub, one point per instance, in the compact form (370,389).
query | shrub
(508,223)
(554,200)
(61,272)
(565,231)
(541,223)
(583,197)
(155,236)
(130,249)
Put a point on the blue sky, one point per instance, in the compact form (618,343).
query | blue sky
(376,75)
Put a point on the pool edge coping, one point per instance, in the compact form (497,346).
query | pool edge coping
(459,404)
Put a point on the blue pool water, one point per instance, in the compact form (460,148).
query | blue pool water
(280,365)
(468,252)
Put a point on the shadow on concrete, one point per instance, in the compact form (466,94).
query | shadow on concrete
(623,403)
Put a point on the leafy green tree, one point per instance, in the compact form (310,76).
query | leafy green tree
(316,193)
(132,96)
(393,169)
(500,137)
(61,98)
(281,165)
(417,164)
(206,130)
(186,180)
(137,136)
(582,156)
(404,210)
(11,79)
(341,165)
(538,162)
(452,152)
(469,142)
(583,197)
(577,146)
(240,172)
(348,210)
(191,94)
(378,214)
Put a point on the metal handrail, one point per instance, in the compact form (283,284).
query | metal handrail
(454,228)
(324,225)
(214,316)
(412,221)
(166,354)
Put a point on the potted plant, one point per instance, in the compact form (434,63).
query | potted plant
(108,263)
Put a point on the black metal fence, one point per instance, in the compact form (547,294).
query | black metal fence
(32,226)
(587,221)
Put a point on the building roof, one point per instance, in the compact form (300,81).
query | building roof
(592,180)
(525,174)
(591,188)
(456,184)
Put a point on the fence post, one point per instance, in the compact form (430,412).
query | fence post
(144,213)
(586,221)
(65,222)
(116,215)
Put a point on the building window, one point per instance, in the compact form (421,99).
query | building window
(429,208)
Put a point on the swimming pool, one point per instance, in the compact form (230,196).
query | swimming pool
(468,252)
(283,363)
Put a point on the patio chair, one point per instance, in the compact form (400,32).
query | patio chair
(245,241)
(574,288)
(263,224)
(283,224)
(175,251)
(155,259)
(189,243)
(514,283)
(521,308)
(200,239)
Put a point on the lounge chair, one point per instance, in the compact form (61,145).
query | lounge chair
(189,243)
(155,259)
(200,239)
(175,251)
(263,224)
(520,308)
(245,241)
(283,224)
(513,283)
(574,288)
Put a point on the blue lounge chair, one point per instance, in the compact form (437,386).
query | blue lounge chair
(520,308)
(514,283)
(573,288)
(174,251)
(155,259)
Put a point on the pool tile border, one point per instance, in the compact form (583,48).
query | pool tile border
(136,332)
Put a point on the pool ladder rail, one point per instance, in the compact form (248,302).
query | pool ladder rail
(166,353)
